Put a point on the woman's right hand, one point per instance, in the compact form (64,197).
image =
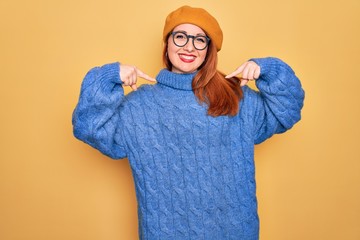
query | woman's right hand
(129,75)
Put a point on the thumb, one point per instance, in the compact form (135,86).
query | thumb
(243,82)
(134,87)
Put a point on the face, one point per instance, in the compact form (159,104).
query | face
(186,59)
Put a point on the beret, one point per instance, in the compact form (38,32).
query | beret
(197,16)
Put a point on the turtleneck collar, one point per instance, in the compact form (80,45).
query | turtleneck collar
(181,81)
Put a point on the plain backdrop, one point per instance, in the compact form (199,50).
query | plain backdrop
(54,187)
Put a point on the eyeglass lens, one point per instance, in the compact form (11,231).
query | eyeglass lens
(181,39)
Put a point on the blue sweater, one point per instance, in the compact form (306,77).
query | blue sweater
(194,174)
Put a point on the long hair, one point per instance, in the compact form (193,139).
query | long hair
(210,86)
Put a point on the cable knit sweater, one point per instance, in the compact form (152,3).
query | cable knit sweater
(194,174)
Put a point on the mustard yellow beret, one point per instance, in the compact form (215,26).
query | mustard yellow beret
(197,16)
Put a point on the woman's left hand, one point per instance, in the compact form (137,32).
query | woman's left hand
(248,70)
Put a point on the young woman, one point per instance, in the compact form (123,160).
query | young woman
(190,137)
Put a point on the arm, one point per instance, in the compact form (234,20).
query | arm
(96,116)
(280,98)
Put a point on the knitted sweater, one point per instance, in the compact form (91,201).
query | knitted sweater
(194,174)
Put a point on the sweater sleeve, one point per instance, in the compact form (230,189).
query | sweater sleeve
(96,118)
(281,98)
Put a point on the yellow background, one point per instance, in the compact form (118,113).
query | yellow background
(54,187)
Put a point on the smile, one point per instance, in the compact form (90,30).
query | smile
(187,58)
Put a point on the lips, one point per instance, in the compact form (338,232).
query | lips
(187,58)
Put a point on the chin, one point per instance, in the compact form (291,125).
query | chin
(189,71)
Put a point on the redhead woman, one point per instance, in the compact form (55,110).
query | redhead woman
(190,137)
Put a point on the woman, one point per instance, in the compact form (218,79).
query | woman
(190,137)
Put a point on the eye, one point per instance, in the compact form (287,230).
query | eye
(200,39)
(180,36)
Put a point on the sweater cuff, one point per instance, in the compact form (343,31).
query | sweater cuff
(270,66)
(111,71)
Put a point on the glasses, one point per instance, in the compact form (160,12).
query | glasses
(180,39)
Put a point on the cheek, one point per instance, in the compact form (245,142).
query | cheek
(171,54)
(171,47)
(171,51)
(202,56)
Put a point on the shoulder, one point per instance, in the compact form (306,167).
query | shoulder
(251,99)
(144,93)
(249,94)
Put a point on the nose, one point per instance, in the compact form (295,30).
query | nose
(189,46)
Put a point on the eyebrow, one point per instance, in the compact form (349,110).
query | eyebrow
(198,34)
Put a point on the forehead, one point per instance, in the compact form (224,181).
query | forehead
(189,28)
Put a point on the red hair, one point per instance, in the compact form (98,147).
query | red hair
(222,95)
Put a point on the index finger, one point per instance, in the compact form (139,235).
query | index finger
(237,71)
(145,76)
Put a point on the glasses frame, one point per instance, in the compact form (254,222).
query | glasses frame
(193,40)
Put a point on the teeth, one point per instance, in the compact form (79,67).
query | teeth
(188,57)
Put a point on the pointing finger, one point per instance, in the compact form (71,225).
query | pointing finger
(237,71)
(145,76)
